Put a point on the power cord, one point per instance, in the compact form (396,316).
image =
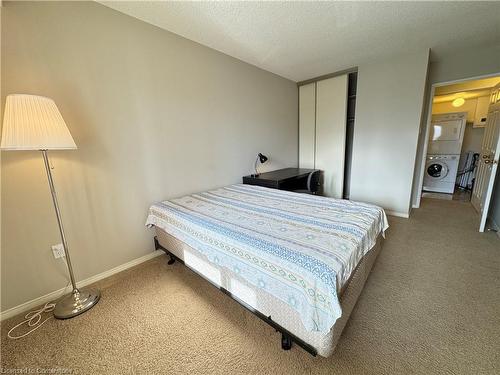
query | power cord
(33,318)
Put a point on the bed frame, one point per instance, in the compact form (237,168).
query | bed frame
(287,338)
(348,295)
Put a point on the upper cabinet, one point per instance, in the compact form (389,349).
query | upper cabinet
(482,105)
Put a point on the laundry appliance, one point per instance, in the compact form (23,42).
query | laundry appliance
(443,154)
(440,173)
(447,133)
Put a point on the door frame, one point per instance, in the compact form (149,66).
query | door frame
(416,204)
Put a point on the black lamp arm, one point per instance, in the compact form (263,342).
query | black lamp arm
(262,158)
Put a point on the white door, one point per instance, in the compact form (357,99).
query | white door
(307,125)
(488,160)
(331,115)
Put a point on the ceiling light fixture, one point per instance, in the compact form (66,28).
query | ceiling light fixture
(458,102)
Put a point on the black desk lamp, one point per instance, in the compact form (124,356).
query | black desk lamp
(262,158)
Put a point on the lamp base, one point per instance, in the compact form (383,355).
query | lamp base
(76,303)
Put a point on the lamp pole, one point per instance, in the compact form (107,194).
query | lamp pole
(58,215)
(77,302)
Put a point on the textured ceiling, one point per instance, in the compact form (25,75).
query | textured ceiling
(301,40)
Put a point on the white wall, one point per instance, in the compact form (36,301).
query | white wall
(465,64)
(462,65)
(154,116)
(473,138)
(388,112)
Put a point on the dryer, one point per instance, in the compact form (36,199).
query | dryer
(447,133)
(441,173)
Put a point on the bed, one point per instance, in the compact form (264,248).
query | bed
(297,261)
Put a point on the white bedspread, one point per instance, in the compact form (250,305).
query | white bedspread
(299,248)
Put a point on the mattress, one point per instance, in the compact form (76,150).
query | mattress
(301,250)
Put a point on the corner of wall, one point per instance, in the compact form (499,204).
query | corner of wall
(422,136)
(399,80)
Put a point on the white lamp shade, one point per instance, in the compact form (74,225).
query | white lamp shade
(32,122)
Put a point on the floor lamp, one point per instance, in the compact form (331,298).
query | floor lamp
(34,123)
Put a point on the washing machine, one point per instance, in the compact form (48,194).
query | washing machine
(441,173)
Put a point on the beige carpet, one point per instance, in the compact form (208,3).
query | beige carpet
(431,305)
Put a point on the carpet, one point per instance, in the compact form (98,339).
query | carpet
(431,305)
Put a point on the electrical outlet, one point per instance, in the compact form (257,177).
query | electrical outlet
(58,250)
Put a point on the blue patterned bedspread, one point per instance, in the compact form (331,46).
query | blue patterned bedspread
(299,248)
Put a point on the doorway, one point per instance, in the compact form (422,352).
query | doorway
(462,146)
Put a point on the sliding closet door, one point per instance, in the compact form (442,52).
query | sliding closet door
(307,124)
(331,108)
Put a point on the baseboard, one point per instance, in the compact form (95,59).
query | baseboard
(406,215)
(80,284)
